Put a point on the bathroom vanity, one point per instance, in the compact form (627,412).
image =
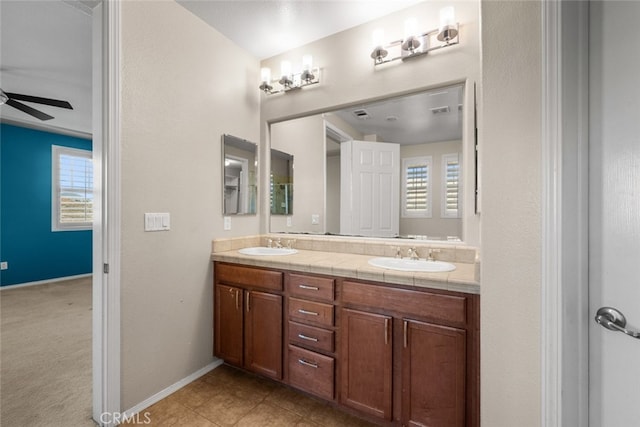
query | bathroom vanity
(398,348)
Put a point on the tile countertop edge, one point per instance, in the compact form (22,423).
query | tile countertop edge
(349,266)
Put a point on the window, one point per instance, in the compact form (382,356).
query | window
(72,189)
(450,186)
(416,187)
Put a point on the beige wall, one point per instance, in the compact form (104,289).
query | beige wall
(436,226)
(511,186)
(183,86)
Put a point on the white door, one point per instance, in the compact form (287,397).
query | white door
(614,235)
(370,181)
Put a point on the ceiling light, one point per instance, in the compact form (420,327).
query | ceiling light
(416,43)
(289,79)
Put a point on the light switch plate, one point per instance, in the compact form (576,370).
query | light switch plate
(289,222)
(157,221)
(227,223)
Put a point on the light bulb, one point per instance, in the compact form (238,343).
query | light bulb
(265,75)
(307,63)
(377,38)
(410,28)
(448,26)
(447,16)
(285,69)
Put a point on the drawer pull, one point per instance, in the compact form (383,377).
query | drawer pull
(310,313)
(304,337)
(310,288)
(309,364)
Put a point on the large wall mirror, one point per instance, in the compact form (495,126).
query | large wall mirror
(239,189)
(389,168)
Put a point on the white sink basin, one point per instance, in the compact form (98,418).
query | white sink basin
(261,250)
(406,264)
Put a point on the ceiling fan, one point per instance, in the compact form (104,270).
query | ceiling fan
(13,98)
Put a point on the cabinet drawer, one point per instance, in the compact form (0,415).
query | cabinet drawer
(310,336)
(310,311)
(311,372)
(253,277)
(427,305)
(312,287)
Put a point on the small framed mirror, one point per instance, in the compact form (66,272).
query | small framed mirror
(281,184)
(239,186)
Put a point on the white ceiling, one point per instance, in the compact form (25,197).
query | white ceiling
(45,50)
(268,27)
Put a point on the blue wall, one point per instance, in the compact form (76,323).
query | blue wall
(33,251)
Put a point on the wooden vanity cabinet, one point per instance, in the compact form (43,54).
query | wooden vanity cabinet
(410,356)
(311,328)
(367,362)
(402,356)
(248,318)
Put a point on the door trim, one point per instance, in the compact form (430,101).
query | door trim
(106,234)
(564,304)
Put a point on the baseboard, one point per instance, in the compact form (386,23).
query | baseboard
(171,389)
(44,282)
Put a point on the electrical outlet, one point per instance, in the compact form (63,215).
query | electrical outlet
(315,219)
(289,222)
(4,265)
(227,223)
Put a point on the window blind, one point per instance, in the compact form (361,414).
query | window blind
(73,192)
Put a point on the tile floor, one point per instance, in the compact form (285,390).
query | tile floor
(229,397)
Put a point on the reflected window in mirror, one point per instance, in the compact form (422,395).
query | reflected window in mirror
(239,186)
(281,183)
(339,195)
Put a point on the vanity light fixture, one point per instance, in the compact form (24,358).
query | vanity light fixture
(414,42)
(289,79)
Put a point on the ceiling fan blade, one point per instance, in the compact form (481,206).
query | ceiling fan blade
(31,111)
(38,100)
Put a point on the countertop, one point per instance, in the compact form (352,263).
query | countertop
(356,266)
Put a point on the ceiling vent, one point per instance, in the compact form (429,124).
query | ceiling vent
(362,114)
(440,110)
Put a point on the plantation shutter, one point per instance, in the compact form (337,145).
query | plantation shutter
(416,189)
(451,191)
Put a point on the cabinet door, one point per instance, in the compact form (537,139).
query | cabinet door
(228,324)
(263,329)
(366,362)
(433,375)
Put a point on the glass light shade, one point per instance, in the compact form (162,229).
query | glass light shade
(410,28)
(377,38)
(447,17)
(265,75)
(285,69)
(307,63)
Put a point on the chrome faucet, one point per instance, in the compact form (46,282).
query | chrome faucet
(398,252)
(278,243)
(431,256)
(269,243)
(412,253)
(290,243)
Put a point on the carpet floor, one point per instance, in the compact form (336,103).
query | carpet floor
(45,355)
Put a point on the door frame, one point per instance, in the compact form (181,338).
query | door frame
(106,230)
(564,287)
